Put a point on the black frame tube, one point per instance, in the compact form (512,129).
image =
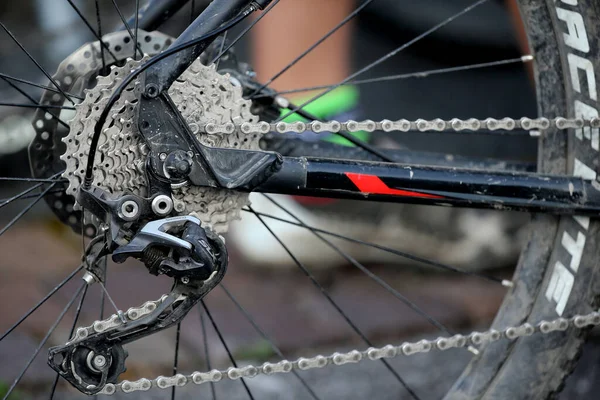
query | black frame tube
(155,13)
(160,76)
(428,185)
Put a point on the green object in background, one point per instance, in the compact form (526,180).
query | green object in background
(260,351)
(338,101)
(15,395)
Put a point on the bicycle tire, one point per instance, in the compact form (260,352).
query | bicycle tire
(536,367)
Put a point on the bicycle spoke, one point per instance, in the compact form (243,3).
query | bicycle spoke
(32,310)
(99,24)
(245,31)
(367,272)
(268,339)
(222,340)
(25,210)
(384,58)
(314,45)
(387,249)
(36,106)
(136,28)
(330,300)
(79,306)
(16,179)
(24,93)
(104,277)
(20,195)
(206,352)
(221,50)
(25,81)
(36,63)
(176,358)
(419,74)
(126,25)
(30,196)
(44,340)
(91,29)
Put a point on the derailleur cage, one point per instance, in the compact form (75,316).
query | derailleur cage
(174,246)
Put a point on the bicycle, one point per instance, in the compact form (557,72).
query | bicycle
(175,161)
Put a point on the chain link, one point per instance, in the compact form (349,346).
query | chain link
(534,125)
(476,339)
(115,320)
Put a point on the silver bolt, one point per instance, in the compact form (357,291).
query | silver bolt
(130,209)
(162,156)
(185,280)
(162,205)
(99,361)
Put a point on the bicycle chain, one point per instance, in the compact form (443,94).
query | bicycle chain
(534,125)
(337,358)
(372,353)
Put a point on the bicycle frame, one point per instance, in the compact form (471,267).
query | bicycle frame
(390,182)
(442,186)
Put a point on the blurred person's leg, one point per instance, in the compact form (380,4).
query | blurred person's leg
(291,28)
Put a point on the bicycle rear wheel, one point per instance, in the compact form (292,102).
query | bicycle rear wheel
(557,273)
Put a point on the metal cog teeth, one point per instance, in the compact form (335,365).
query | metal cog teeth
(202,95)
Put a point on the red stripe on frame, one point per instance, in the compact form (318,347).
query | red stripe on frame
(373,184)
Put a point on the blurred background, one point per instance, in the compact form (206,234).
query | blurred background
(38,251)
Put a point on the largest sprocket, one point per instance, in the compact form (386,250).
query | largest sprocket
(202,95)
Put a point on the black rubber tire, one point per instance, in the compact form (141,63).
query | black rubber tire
(536,367)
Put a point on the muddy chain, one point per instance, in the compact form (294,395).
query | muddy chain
(533,125)
(472,341)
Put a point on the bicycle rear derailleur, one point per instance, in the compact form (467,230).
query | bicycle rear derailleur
(174,246)
(140,227)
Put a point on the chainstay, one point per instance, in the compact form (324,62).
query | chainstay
(474,339)
(533,125)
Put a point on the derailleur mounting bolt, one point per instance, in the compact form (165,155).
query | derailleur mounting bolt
(130,209)
(178,164)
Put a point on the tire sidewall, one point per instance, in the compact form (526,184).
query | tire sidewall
(557,274)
